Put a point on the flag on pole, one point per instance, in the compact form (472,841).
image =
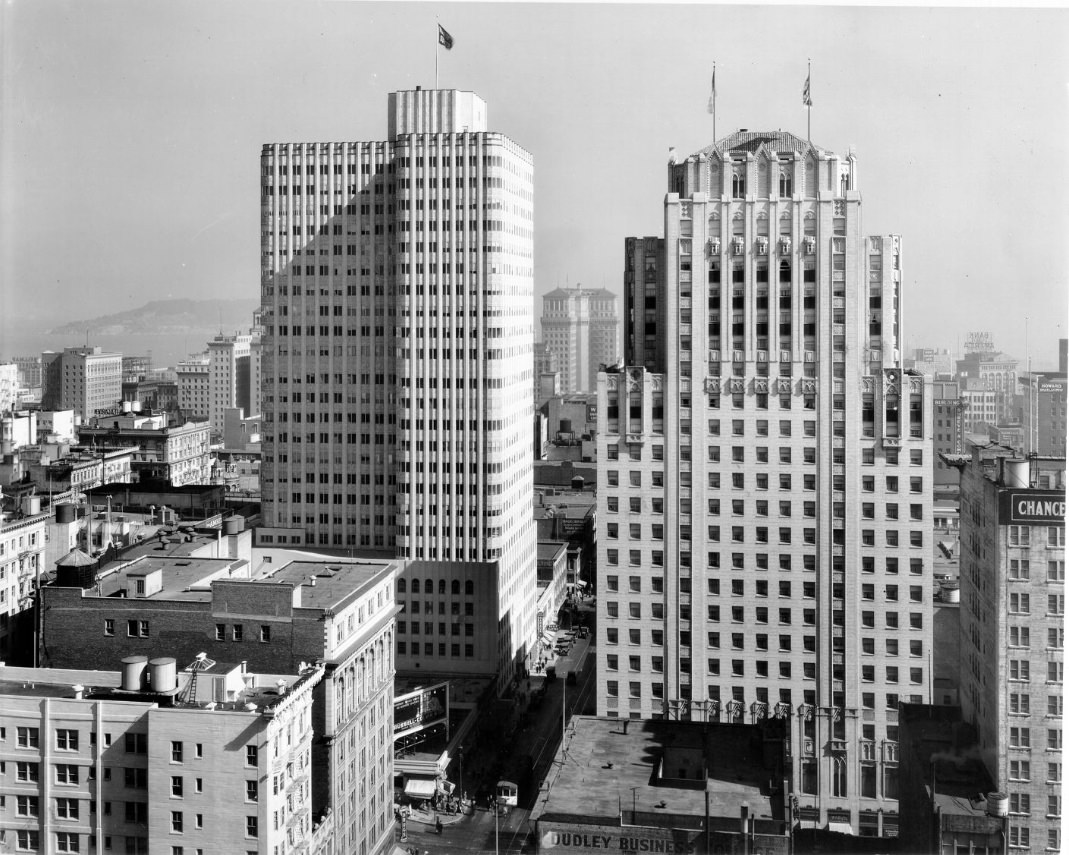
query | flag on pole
(444,39)
(806,99)
(712,95)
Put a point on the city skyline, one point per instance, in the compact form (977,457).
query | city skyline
(144,214)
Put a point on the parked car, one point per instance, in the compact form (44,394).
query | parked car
(584,631)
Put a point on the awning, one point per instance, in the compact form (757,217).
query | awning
(580,583)
(548,637)
(840,827)
(420,788)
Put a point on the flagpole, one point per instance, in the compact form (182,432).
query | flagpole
(809,106)
(714,103)
(437,41)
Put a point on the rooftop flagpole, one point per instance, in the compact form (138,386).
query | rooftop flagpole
(807,99)
(437,42)
(712,103)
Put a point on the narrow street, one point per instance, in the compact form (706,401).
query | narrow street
(537,738)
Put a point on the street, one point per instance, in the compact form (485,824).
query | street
(538,738)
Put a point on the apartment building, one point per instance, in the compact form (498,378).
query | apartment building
(201,597)
(194,387)
(151,759)
(397,280)
(180,454)
(229,376)
(84,379)
(1013,633)
(764,505)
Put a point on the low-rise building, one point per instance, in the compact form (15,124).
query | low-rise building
(214,758)
(22,562)
(667,786)
(275,615)
(947,802)
(179,454)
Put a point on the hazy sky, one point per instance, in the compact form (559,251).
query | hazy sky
(132,134)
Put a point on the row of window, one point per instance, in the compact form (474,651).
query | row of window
(1020,570)
(454,587)
(1021,737)
(429,648)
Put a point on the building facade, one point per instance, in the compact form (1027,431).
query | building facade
(180,454)
(397,280)
(84,379)
(581,328)
(23,539)
(340,613)
(194,387)
(105,762)
(1043,411)
(1012,575)
(229,376)
(764,505)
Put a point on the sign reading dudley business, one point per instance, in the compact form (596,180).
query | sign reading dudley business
(1031,507)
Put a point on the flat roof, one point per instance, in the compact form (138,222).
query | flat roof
(609,758)
(183,577)
(335,580)
(260,690)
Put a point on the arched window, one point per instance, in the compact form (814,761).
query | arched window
(738,184)
(456,587)
(415,586)
(785,272)
(402,586)
(441,586)
(469,588)
(786,184)
(428,587)
(844,182)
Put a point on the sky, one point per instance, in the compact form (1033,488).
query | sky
(131,135)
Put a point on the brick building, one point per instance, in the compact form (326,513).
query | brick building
(1012,575)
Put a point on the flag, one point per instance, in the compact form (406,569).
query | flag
(444,39)
(712,96)
(806,99)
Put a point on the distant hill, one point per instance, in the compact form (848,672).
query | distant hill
(168,317)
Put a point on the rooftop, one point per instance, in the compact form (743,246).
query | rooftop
(775,142)
(222,687)
(609,762)
(327,583)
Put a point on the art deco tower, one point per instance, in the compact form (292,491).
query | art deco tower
(397,283)
(764,509)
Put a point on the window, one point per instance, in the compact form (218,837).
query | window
(252,791)
(265,634)
(238,633)
(137,628)
(66,740)
(109,626)
(67,808)
(177,822)
(66,773)
(26,773)
(176,752)
(28,737)
(67,841)
(27,806)
(176,786)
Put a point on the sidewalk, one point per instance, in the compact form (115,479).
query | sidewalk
(427,817)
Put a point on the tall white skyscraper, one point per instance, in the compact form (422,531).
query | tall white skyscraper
(764,507)
(397,310)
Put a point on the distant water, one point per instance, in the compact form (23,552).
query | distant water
(166,350)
